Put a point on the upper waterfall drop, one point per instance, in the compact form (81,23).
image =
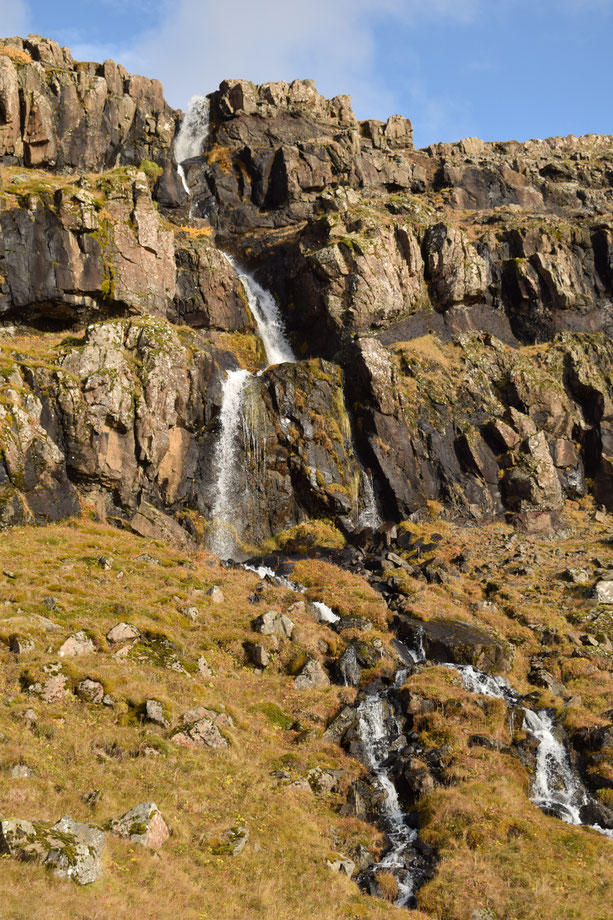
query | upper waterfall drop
(267,316)
(192,134)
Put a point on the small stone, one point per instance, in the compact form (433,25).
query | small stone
(312,676)
(191,613)
(154,712)
(341,864)
(273,623)
(77,644)
(70,849)
(147,559)
(108,701)
(9,574)
(30,717)
(104,563)
(200,729)
(257,654)
(143,824)
(324,782)
(50,603)
(92,691)
(216,595)
(234,840)
(603,592)
(122,632)
(203,668)
(54,689)
(21,645)
(20,771)
(92,798)
(297,610)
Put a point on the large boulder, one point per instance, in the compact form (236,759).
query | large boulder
(454,642)
(71,849)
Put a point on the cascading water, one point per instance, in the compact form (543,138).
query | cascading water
(226,507)
(227,511)
(369,515)
(192,134)
(556,789)
(268,319)
(378,728)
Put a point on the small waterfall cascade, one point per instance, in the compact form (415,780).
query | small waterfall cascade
(268,319)
(557,789)
(369,513)
(226,507)
(378,727)
(237,423)
(192,134)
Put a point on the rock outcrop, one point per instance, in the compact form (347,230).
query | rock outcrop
(414,283)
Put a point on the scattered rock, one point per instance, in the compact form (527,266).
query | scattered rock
(20,771)
(143,824)
(192,613)
(312,676)
(72,850)
(273,623)
(92,691)
(345,720)
(348,668)
(77,644)
(200,729)
(341,864)
(50,603)
(603,591)
(324,782)
(153,711)
(216,595)
(455,642)
(122,632)
(147,559)
(21,645)
(257,654)
(232,842)
(203,668)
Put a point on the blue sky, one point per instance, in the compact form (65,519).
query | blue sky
(496,69)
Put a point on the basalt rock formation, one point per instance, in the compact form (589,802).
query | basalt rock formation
(461,296)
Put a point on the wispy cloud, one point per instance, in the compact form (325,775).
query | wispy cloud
(198,43)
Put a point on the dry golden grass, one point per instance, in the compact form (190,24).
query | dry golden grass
(78,747)
(18,55)
(496,850)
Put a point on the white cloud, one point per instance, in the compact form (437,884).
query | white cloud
(200,42)
(14,18)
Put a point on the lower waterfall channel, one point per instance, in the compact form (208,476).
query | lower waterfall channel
(557,789)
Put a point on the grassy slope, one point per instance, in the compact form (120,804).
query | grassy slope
(498,850)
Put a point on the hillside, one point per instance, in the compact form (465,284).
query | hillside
(381,378)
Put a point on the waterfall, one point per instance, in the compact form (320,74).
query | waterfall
(369,515)
(227,511)
(556,789)
(192,134)
(377,728)
(226,507)
(268,319)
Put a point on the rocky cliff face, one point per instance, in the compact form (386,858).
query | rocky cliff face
(459,298)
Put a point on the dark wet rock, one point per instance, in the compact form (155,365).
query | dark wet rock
(455,642)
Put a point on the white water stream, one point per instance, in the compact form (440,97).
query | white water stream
(369,514)
(192,134)
(556,789)
(378,728)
